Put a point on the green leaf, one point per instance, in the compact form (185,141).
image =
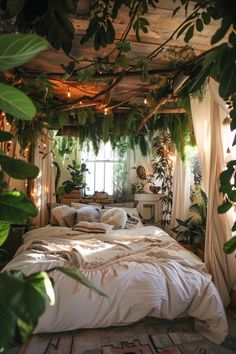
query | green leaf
(123,46)
(74,273)
(199,25)
(175,11)
(234,227)
(230,245)
(17,49)
(7,325)
(228,80)
(224,207)
(206,18)
(4,231)
(189,34)
(122,61)
(15,207)
(17,168)
(15,102)
(220,33)
(5,136)
(110,32)
(182,29)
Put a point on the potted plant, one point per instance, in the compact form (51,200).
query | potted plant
(72,188)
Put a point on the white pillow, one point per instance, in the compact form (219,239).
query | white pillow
(81,205)
(59,212)
(114,216)
(133,219)
(87,213)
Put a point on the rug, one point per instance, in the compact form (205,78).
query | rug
(149,336)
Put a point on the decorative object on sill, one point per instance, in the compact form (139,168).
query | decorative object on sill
(139,186)
(100,195)
(155,189)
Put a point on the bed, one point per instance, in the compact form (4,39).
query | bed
(141,269)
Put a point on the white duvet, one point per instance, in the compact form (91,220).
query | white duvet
(143,271)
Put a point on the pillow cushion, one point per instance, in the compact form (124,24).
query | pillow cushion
(114,216)
(58,214)
(87,213)
(92,227)
(133,220)
(81,205)
(70,217)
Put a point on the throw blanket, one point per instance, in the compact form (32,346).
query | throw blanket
(91,252)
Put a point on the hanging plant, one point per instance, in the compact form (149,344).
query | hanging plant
(65,145)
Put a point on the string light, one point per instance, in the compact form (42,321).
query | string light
(80,102)
(145,101)
(68,92)
(105,111)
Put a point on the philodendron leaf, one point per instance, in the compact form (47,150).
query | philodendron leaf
(17,49)
(230,245)
(224,207)
(5,136)
(16,103)
(15,207)
(17,168)
(4,231)
(78,276)
(7,325)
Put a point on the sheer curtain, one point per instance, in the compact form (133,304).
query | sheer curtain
(181,191)
(44,184)
(211,138)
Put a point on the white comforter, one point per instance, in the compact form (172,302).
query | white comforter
(143,271)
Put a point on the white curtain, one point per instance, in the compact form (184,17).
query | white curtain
(212,139)
(44,184)
(181,191)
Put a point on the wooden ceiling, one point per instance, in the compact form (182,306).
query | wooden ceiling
(162,25)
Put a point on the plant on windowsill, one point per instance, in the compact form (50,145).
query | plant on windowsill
(72,187)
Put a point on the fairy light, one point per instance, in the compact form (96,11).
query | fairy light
(105,111)
(80,102)
(145,101)
(68,92)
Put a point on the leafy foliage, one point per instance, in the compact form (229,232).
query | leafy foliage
(77,181)
(46,18)
(162,167)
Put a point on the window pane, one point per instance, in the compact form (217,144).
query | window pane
(109,178)
(99,176)
(90,178)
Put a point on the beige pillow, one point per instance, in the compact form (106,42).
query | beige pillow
(88,213)
(59,212)
(93,227)
(70,217)
(114,216)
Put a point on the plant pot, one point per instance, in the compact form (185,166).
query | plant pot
(74,194)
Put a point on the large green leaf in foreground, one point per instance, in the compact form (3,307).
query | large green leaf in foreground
(15,207)
(17,168)
(4,231)
(18,49)
(16,103)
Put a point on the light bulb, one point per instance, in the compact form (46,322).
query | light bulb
(145,101)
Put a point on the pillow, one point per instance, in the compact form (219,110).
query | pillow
(70,217)
(92,227)
(58,214)
(114,216)
(81,205)
(133,220)
(87,213)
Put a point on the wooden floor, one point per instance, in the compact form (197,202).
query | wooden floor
(144,337)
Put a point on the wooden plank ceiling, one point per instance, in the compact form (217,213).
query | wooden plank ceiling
(162,25)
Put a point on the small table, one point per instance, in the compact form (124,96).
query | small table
(149,200)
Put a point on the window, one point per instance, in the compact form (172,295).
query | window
(102,168)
